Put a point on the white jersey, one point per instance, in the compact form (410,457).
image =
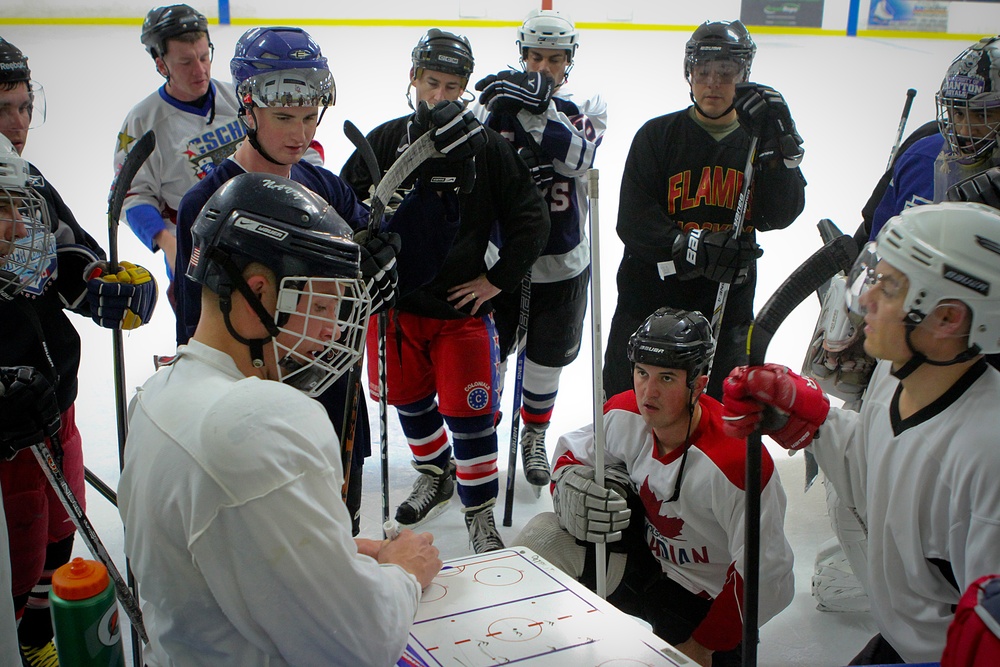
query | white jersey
(190,142)
(699,538)
(236,530)
(927,488)
(568,135)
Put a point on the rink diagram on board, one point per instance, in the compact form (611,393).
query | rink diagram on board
(512,606)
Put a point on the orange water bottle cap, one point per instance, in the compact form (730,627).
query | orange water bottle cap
(80,579)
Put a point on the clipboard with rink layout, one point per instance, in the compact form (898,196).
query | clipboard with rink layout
(513,606)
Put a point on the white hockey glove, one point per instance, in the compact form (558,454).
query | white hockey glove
(586,510)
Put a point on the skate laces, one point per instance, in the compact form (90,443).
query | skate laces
(483,535)
(425,489)
(533,448)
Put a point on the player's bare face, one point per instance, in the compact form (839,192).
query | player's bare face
(189,68)
(713,85)
(15,114)
(11,226)
(550,61)
(286,132)
(883,302)
(662,396)
(433,87)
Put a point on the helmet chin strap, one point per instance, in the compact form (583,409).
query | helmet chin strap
(917,358)
(698,108)
(256,345)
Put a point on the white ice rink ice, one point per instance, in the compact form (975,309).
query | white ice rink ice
(846,95)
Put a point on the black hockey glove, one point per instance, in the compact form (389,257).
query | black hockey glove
(763,111)
(455,130)
(540,169)
(716,256)
(29,412)
(983,188)
(72,284)
(378,267)
(444,175)
(510,91)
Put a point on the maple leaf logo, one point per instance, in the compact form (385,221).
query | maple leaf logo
(669,527)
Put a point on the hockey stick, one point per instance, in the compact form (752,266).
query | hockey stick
(353,395)
(414,155)
(722,295)
(910,94)
(596,362)
(515,418)
(136,157)
(59,484)
(837,255)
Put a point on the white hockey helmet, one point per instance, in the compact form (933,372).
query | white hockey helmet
(946,251)
(547,29)
(27,245)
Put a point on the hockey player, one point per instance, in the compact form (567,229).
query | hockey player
(284,85)
(195,121)
(680,188)
(558,140)
(968,110)
(230,493)
(667,455)
(44,258)
(919,462)
(441,349)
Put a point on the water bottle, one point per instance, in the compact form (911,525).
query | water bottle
(85,616)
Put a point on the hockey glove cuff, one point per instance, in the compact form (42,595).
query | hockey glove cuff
(587,510)
(510,91)
(788,407)
(123,300)
(71,284)
(379,269)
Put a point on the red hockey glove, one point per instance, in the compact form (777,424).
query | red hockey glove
(787,406)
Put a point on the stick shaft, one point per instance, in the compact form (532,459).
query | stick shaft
(515,418)
(910,94)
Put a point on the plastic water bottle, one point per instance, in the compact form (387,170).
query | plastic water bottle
(85,616)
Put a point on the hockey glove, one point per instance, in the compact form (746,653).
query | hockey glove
(71,284)
(510,91)
(123,300)
(763,112)
(587,510)
(455,130)
(716,256)
(786,406)
(378,268)
(983,188)
(540,169)
(29,412)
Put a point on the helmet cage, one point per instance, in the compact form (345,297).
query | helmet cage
(547,29)
(720,40)
(969,98)
(672,338)
(326,321)
(948,251)
(27,245)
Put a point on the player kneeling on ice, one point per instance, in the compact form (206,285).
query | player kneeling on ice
(920,461)
(674,502)
(230,493)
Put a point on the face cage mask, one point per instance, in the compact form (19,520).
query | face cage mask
(291,88)
(27,247)
(983,116)
(326,318)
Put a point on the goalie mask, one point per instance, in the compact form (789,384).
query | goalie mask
(318,329)
(27,245)
(968,103)
(946,251)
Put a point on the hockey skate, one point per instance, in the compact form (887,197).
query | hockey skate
(483,534)
(534,456)
(431,493)
(42,656)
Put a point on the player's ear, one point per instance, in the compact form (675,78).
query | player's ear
(161,67)
(952,319)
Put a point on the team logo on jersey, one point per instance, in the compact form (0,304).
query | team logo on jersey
(477,395)
(208,150)
(669,527)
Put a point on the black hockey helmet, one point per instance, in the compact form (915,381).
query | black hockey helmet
(981,188)
(673,338)
(275,221)
(163,23)
(720,40)
(13,64)
(441,51)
